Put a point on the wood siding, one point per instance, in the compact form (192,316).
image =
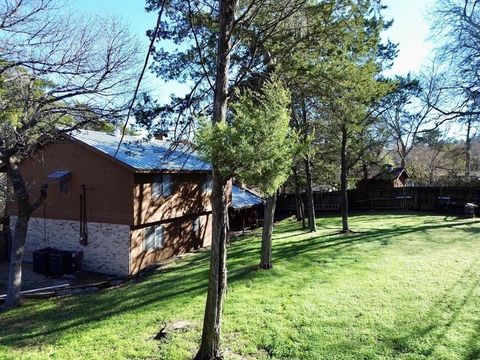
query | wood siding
(108,184)
(179,238)
(187,198)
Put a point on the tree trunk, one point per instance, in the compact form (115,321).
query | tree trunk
(468,145)
(268,218)
(365,171)
(310,204)
(16,259)
(298,207)
(25,210)
(302,206)
(402,152)
(298,197)
(403,162)
(343,182)
(217,284)
(401,147)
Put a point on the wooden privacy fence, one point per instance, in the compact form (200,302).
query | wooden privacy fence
(3,245)
(450,199)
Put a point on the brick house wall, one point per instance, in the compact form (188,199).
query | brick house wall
(108,248)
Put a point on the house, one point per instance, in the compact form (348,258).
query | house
(245,208)
(123,211)
(390,177)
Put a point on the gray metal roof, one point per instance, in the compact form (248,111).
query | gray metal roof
(244,198)
(141,154)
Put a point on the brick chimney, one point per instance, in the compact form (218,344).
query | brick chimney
(160,135)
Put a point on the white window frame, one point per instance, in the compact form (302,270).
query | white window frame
(158,240)
(162,185)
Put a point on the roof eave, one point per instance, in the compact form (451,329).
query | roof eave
(245,207)
(171,171)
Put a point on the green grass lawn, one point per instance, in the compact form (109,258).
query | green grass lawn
(402,287)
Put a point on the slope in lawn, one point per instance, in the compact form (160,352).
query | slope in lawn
(402,287)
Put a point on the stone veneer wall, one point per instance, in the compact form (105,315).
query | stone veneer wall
(108,249)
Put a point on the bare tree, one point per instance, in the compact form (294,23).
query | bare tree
(435,159)
(471,121)
(406,114)
(53,66)
(455,77)
(456,30)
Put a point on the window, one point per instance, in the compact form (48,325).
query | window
(167,185)
(162,185)
(197,223)
(63,177)
(63,185)
(153,237)
(207,185)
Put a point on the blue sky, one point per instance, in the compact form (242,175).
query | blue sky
(410,30)
(132,11)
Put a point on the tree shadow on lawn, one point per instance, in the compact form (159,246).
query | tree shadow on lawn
(295,234)
(436,322)
(473,346)
(340,242)
(472,230)
(393,214)
(307,251)
(79,311)
(184,281)
(334,221)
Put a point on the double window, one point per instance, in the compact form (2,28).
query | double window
(154,237)
(162,185)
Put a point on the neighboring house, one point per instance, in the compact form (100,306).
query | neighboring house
(390,177)
(123,212)
(245,208)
